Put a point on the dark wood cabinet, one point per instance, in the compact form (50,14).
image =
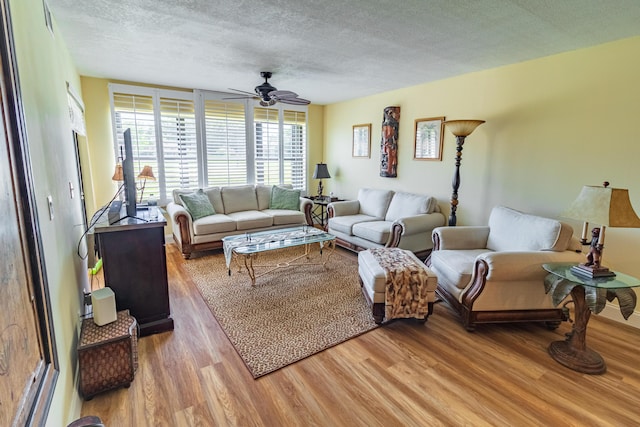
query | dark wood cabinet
(135,268)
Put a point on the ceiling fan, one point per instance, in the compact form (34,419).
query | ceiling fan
(269,95)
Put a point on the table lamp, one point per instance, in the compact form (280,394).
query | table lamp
(321,172)
(146,173)
(607,207)
(118,175)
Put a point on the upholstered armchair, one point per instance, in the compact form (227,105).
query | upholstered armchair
(494,273)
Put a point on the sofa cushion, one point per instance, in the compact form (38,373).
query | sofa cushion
(215,197)
(285,216)
(246,220)
(407,204)
(213,224)
(511,230)
(212,192)
(284,198)
(374,202)
(344,224)
(455,266)
(198,204)
(373,231)
(263,194)
(238,199)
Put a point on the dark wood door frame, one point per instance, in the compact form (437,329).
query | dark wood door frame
(38,391)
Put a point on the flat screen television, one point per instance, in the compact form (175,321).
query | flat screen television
(129,175)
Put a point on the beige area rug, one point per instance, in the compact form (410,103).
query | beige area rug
(289,314)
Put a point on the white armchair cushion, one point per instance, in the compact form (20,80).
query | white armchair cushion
(455,267)
(374,202)
(462,237)
(408,204)
(511,230)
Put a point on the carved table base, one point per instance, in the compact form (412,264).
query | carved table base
(573,352)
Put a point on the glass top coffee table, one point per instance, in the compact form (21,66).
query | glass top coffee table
(248,246)
(588,295)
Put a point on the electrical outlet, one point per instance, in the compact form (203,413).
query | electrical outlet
(71,189)
(50,203)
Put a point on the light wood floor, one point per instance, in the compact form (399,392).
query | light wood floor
(403,374)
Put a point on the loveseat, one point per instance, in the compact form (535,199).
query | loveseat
(201,218)
(494,273)
(384,218)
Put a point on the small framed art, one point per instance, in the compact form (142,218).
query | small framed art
(428,142)
(361,141)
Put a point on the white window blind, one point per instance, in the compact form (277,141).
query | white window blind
(226,143)
(179,144)
(294,142)
(136,112)
(267,146)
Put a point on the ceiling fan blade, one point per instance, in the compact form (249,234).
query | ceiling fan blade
(282,94)
(295,101)
(241,97)
(243,91)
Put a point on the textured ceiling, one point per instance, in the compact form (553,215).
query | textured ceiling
(328,50)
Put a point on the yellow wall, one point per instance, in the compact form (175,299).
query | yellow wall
(552,126)
(44,68)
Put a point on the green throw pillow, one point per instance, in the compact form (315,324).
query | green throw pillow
(197,204)
(284,198)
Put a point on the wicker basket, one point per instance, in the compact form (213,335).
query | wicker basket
(107,355)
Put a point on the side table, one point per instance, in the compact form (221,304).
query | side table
(107,355)
(320,204)
(588,295)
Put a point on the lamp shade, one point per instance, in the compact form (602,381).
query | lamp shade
(118,174)
(606,206)
(462,127)
(321,171)
(146,173)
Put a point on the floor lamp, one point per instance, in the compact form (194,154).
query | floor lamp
(461,129)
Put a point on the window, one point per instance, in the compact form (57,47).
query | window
(226,142)
(199,139)
(267,137)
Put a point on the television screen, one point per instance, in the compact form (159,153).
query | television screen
(129,175)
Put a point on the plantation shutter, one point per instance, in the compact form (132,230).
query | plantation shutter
(135,112)
(267,146)
(179,144)
(294,148)
(226,147)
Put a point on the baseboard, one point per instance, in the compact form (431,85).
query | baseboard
(168,238)
(612,312)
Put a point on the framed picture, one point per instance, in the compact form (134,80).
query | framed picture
(361,141)
(428,143)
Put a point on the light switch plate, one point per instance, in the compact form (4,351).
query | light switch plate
(50,203)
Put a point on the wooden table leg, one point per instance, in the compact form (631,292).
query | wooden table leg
(573,352)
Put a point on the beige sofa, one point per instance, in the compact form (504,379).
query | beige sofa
(384,218)
(238,210)
(494,273)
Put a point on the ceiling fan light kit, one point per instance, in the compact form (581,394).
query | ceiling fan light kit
(267,95)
